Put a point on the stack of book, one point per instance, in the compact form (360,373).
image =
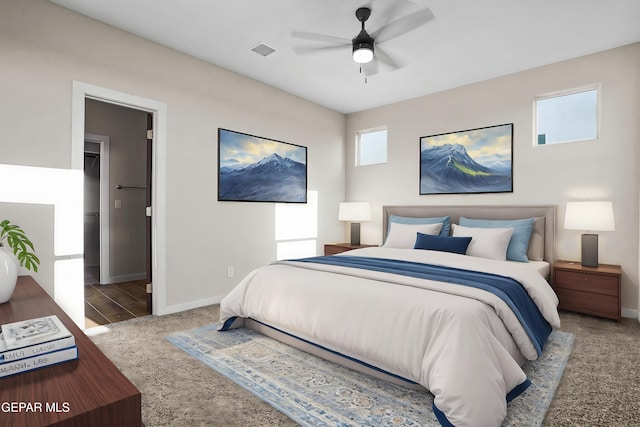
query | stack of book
(35,343)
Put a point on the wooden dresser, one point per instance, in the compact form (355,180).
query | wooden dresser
(90,391)
(589,290)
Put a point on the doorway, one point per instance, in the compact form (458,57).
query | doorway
(117,254)
(81,92)
(92,194)
(96,208)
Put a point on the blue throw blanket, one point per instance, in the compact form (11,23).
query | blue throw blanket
(506,288)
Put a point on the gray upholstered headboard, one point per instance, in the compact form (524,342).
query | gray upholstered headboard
(482,212)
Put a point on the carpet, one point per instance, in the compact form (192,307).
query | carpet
(314,392)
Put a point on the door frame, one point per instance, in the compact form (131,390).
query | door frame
(81,91)
(148,207)
(103,140)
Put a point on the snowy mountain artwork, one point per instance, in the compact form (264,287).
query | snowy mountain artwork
(471,161)
(255,169)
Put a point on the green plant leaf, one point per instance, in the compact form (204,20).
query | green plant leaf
(19,243)
(29,261)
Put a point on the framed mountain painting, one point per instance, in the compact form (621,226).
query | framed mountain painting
(256,169)
(469,161)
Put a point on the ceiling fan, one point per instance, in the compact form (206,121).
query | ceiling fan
(365,47)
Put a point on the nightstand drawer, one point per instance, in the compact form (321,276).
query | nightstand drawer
(584,282)
(599,305)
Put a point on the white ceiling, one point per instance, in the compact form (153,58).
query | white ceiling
(467,41)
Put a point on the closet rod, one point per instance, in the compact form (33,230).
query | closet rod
(129,187)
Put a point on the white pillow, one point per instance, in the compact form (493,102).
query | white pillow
(489,243)
(404,235)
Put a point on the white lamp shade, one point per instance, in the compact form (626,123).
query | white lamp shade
(354,211)
(362,55)
(591,216)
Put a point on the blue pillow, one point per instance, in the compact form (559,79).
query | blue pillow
(457,245)
(445,220)
(519,243)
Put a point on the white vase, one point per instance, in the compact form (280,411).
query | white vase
(8,274)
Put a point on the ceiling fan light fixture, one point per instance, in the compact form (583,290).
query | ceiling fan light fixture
(363,54)
(363,42)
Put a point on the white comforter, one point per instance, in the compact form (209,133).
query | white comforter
(466,350)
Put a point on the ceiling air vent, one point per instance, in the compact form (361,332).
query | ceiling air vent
(263,49)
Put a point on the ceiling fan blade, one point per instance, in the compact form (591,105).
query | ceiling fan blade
(390,13)
(325,38)
(305,50)
(402,25)
(385,58)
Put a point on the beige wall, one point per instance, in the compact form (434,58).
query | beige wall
(604,169)
(44,48)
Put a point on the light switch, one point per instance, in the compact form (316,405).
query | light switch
(118,204)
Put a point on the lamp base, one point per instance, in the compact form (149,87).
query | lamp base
(589,250)
(355,233)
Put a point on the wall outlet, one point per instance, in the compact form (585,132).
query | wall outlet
(230,271)
(118,204)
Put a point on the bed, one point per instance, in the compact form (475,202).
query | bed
(421,310)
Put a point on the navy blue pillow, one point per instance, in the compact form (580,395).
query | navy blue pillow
(457,245)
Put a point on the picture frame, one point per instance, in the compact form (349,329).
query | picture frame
(470,161)
(256,169)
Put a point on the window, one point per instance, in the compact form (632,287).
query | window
(567,117)
(371,147)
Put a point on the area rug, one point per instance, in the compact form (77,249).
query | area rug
(315,392)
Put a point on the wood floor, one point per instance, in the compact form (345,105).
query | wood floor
(104,304)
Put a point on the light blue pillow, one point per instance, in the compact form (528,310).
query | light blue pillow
(519,243)
(445,220)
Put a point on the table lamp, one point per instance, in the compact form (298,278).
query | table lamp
(591,216)
(354,212)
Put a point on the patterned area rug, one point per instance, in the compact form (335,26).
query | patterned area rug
(315,392)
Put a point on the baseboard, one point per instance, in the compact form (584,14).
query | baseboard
(170,309)
(124,278)
(630,313)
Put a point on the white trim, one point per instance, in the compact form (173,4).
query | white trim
(105,269)
(158,220)
(570,91)
(125,278)
(177,308)
(630,313)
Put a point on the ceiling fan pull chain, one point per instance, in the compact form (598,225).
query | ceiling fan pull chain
(365,77)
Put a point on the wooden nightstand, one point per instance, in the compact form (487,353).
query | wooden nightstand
(336,248)
(589,290)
